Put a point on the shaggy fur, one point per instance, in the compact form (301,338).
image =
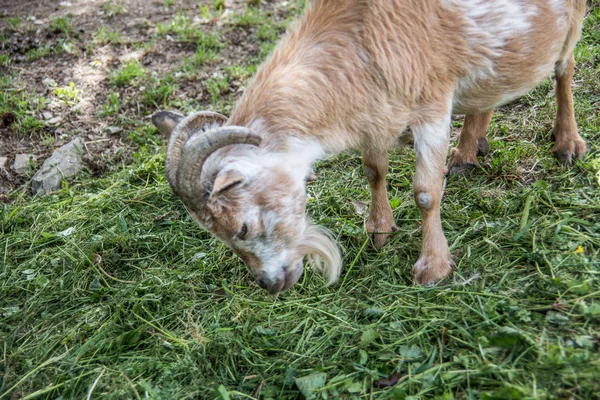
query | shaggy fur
(354,74)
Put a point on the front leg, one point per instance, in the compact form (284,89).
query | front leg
(431,147)
(381,221)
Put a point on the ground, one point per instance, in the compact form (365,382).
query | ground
(109,290)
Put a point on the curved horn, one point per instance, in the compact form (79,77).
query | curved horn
(195,152)
(182,132)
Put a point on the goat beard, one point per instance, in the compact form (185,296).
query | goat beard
(322,252)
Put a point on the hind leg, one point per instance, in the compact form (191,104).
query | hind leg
(472,143)
(381,221)
(567,142)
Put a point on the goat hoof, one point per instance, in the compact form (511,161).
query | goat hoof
(379,233)
(431,269)
(461,164)
(466,169)
(566,150)
(483,147)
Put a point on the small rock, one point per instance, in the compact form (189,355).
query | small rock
(49,82)
(64,163)
(54,104)
(113,130)
(21,165)
(78,107)
(3,161)
(136,23)
(46,115)
(54,121)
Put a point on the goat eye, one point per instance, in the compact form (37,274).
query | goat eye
(242,232)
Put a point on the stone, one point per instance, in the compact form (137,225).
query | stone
(64,163)
(22,163)
(136,23)
(113,130)
(78,107)
(54,121)
(3,161)
(46,115)
(49,82)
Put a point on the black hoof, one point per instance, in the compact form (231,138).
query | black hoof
(462,169)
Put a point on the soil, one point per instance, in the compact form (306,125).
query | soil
(88,65)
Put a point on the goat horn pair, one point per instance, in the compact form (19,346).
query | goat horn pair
(190,146)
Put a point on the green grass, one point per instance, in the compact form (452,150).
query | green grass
(109,290)
(4,60)
(106,35)
(68,94)
(112,105)
(24,105)
(181,28)
(63,25)
(38,52)
(13,23)
(130,73)
(158,91)
(113,8)
(217,86)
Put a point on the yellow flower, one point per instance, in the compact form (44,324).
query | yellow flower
(579,250)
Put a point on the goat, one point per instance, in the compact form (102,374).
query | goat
(355,74)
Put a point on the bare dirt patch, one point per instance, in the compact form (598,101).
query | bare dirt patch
(61,59)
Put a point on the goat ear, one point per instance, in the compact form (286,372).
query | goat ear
(226,181)
(166,121)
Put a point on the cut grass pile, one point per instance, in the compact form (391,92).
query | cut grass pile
(109,290)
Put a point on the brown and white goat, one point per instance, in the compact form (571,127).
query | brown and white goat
(355,74)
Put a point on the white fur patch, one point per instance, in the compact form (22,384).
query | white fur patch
(489,24)
(297,161)
(492,22)
(431,137)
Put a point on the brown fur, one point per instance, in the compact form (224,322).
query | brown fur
(356,73)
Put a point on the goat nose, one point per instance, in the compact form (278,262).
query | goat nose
(261,283)
(272,286)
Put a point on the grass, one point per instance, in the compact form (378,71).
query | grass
(24,106)
(131,72)
(181,27)
(112,105)
(158,91)
(109,290)
(13,23)
(38,52)
(217,86)
(62,25)
(106,35)
(4,60)
(114,8)
(68,94)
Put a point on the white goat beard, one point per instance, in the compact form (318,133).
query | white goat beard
(322,252)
